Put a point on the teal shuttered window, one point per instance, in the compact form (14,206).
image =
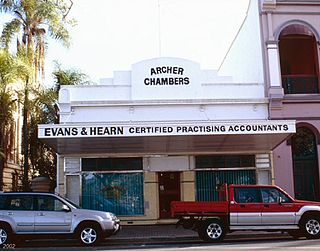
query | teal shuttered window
(207,182)
(119,193)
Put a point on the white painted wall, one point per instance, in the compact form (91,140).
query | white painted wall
(163,113)
(126,97)
(244,61)
(167,163)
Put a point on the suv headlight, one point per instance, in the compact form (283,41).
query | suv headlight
(111,216)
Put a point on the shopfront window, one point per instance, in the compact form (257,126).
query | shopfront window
(113,184)
(119,193)
(111,164)
(211,173)
(208,182)
(225,161)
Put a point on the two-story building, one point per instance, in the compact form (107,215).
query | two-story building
(290,38)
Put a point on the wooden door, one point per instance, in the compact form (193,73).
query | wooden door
(169,190)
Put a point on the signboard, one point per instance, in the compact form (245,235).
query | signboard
(134,130)
(165,78)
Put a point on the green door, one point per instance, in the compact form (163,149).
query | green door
(305,165)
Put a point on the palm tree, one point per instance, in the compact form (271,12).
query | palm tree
(33,21)
(10,69)
(45,111)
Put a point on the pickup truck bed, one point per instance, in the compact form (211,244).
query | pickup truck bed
(192,208)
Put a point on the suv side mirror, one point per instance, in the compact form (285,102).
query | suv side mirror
(65,208)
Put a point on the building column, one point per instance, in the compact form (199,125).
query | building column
(264,169)
(151,196)
(275,88)
(187,186)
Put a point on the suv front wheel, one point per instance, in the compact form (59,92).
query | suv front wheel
(89,235)
(4,234)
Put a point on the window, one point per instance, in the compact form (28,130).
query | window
(272,195)
(298,60)
(119,193)
(19,202)
(208,182)
(2,202)
(247,195)
(111,164)
(225,161)
(49,203)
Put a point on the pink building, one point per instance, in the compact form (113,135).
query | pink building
(290,37)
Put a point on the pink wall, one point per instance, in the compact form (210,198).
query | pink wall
(282,166)
(282,159)
(299,111)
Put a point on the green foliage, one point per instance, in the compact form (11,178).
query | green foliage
(44,110)
(8,32)
(9,72)
(67,77)
(32,22)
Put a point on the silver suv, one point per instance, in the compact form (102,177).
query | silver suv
(33,215)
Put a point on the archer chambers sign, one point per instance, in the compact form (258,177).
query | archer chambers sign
(165,78)
(262,127)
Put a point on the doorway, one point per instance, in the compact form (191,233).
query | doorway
(305,165)
(169,190)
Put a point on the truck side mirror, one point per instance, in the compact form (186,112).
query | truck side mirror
(280,200)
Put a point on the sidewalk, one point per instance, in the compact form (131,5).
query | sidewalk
(171,233)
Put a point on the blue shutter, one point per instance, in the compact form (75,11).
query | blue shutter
(207,182)
(119,193)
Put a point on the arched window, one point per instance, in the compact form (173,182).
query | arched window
(305,165)
(298,60)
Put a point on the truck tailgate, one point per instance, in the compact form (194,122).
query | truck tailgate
(188,208)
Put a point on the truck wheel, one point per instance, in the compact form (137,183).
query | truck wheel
(212,230)
(89,235)
(311,227)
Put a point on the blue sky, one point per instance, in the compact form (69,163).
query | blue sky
(111,35)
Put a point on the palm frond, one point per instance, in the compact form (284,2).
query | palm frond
(9,30)
(7,5)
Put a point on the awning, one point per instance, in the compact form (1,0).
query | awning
(166,138)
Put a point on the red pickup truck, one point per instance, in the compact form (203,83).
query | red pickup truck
(249,207)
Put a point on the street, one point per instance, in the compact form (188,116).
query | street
(282,243)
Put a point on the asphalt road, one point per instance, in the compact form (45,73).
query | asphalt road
(285,243)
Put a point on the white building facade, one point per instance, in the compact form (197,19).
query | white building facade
(166,130)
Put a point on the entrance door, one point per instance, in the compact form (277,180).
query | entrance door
(169,190)
(305,165)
